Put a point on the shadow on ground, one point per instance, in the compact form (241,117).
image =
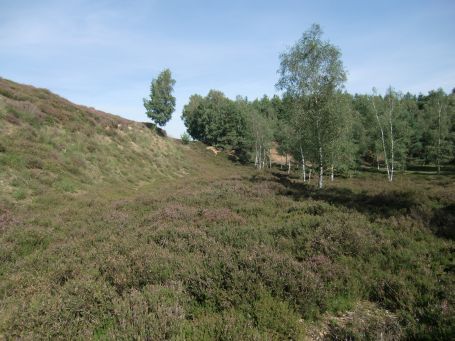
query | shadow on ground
(382,204)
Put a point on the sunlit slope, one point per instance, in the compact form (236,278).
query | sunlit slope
(50,144)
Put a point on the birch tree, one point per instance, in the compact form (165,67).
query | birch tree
(386,111)
(376,101)
(261,132)
(312,72)
(161,104)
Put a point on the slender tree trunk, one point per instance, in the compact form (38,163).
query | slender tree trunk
(256,160)
(377,160)
(289,166)
(391,157)
(383,140)
(321,169)
(261,160)
(259,156)
(256,147)
(331,174)
(270,158)
(391,141)
(262,156)
(439,138)
(309,175)
(303,164)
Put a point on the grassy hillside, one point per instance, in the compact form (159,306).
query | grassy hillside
(108,230)
(50,144)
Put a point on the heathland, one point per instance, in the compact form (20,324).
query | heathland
(110,229)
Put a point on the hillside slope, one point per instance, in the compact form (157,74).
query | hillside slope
(48,143)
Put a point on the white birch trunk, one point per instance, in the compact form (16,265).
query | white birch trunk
(303,164)
(321,170)
(383,139)
(331,174)
(391,141)
(260,156)
(439,138)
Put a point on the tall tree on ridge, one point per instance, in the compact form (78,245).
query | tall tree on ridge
(161,104)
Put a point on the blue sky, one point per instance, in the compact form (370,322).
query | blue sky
(105,53)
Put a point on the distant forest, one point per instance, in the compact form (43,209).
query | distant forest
(324,128)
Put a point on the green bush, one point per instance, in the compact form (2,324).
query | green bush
(185,137)
(19,194)
(277,318)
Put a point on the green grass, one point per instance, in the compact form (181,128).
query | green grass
(160,240)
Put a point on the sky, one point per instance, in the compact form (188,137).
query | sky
(104,54)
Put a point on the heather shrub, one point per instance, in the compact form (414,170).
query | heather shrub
(153,313)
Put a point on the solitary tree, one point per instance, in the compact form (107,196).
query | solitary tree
(161,104)
(312,72)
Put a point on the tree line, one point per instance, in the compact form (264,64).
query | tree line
(322,127)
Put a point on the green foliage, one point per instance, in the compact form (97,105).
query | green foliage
(186,138)
(439,111)
(312,73)
(216,120)
(312,67)
(161,104)
(277,318)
